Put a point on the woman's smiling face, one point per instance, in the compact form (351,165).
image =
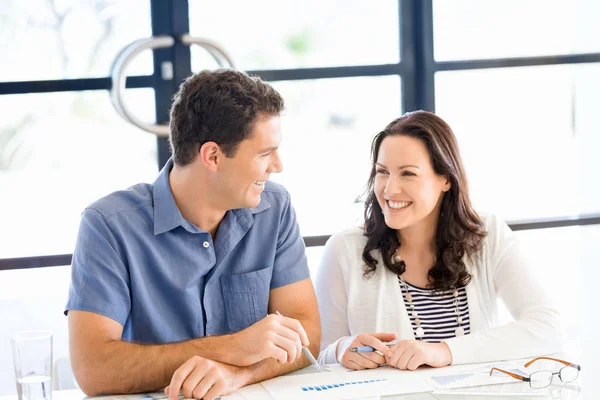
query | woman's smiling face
(406,186)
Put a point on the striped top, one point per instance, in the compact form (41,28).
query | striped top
(436,312)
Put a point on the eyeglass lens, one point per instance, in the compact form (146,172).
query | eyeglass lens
(568,374)
(540,379)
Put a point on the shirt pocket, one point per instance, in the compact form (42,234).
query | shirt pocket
(246,297)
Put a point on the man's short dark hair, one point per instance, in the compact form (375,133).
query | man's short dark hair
(218,106)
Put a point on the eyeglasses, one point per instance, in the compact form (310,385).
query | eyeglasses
(542,379)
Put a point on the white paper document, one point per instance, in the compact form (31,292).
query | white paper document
(476,375)
(340,383)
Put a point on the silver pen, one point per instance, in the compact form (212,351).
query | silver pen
(307,353)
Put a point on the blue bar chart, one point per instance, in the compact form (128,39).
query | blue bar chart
(333,386)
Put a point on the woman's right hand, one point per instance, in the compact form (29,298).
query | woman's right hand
(371,359)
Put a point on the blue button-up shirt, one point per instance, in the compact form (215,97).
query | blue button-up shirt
(139,262)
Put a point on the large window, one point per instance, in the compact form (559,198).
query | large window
(69,39)
(525,135)
(517,81)
(471,29)
(60,152)
(327,131)
(292,34)
(63,145)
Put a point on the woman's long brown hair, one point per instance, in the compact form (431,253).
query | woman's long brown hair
(460,230)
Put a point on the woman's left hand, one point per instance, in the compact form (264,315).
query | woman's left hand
(411,354)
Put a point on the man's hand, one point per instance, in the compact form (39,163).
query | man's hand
(274,336)
(372,359)
(201,378)
(411,354)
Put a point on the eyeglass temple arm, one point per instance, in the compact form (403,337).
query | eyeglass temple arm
(516,376)
(568,364)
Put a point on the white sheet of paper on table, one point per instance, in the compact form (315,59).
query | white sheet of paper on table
(342,384)
(475,375)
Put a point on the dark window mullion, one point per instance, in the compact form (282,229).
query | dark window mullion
(71,85)
(424,67)
(169,17)
(328,72)
(417,55)
(407,54)
(518,62)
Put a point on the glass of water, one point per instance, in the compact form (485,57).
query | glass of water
(32,359)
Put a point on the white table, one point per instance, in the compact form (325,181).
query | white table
(558,390)
(565,394)
(562,392)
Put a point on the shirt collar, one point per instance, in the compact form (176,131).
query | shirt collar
(166,214)
(246,215)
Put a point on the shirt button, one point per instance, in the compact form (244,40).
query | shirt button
(205,244)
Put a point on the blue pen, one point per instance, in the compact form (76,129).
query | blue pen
(365,349)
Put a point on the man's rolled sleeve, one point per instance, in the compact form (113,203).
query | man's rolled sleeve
(99,277)
(290,259)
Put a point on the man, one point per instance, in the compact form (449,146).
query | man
(181,281)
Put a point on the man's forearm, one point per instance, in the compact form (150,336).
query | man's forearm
(123,367)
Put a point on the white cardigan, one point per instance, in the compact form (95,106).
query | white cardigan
(350,304)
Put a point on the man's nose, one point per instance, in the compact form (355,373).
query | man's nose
(276,165)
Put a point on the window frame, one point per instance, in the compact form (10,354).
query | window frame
(416,69)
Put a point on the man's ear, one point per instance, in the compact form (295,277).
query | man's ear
(210,154)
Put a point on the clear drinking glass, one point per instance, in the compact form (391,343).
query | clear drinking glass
(32,359)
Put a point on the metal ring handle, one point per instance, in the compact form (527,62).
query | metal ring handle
(118,80)
(219,54)
(158,42)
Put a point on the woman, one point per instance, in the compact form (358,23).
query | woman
(426,270)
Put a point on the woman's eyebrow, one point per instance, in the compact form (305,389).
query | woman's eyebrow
(400,167)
